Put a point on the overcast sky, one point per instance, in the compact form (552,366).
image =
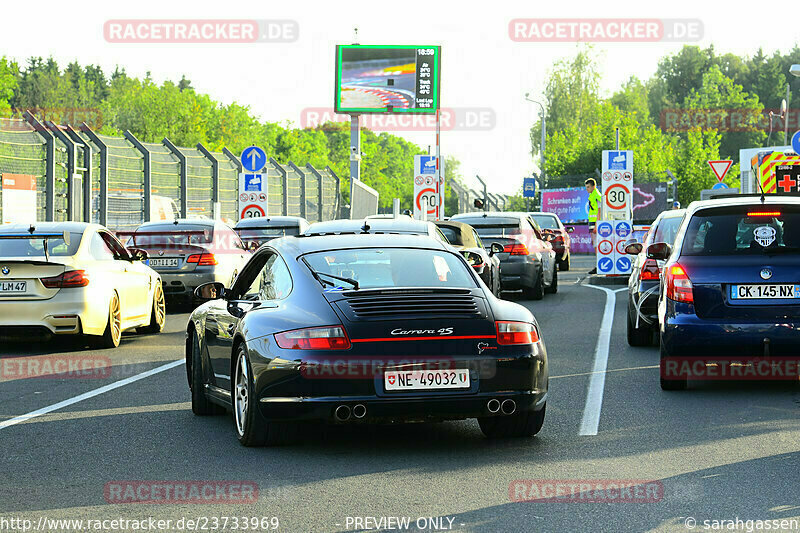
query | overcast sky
(481,66)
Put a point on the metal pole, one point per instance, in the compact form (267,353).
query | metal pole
(786,119)
(321,191)
(147,183)
(617,138)
(184,175)
(87,175)
(285,185)
(303,197)
(439,184)
(544,141)
(72,156)
(102,204)
(355,154)
(485,197)
(214,172)
(49,164)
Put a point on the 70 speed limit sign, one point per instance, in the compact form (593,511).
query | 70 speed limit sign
(617,196)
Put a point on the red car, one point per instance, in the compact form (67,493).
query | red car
(557,234)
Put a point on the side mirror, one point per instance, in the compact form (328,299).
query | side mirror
(474,260)
(137,254)
(496,248)
(634,248)
(659,251)
(570,229)
(212,290)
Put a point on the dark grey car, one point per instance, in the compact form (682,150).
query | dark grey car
(190,252)
(528,261)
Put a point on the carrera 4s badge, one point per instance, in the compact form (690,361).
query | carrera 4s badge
(440,331)
(485,346)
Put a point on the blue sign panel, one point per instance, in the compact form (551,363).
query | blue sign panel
(253,158)
(623,264)
(623,229)
(617,160)
(796,142)
(604,229)
(528,187)
(605,265)
(719,185)
(252,182)
(427,164)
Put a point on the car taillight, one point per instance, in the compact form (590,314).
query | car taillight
(325,338)
(70,278)
(516,333)
(764,214)
(203,259)
(516,249)
(650,270)
(679,287)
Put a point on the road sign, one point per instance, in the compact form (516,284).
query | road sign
(604,229)
(253,158)
(528,187)
(623,229)
(252,211)
(428,193)
(617,196)
(253,195)
(605,247)
(719,185)
(796,142)
(605,265)
(621,246)
(720,167)
(623,265)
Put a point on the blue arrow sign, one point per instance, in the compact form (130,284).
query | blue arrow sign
(796,142)
(719,185)
(604,229)
(253,158)
(605,264)
(623,264)
(528,187)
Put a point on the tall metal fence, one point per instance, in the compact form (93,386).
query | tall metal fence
(121,182)
(466,199)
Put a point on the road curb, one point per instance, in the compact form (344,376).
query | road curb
(604,281)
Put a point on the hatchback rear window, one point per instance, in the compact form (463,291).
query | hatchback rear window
(546,221)
(494,227)
(172,234)
(739,230)
(34,247)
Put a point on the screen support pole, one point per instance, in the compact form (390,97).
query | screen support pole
(355,155)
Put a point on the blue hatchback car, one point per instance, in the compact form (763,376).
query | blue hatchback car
(730,292)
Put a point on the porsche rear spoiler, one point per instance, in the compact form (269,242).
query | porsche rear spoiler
(32,236)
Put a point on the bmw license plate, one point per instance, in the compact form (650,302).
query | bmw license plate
(164,262)
(765,291)
(13,287)
(457,378)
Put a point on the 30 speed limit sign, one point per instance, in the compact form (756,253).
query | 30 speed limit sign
(252,211)
(617,196)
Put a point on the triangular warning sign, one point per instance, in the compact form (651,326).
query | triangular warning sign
(720,167)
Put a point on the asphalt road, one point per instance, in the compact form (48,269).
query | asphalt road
(719,451)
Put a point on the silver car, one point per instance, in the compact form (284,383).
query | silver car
(190,252)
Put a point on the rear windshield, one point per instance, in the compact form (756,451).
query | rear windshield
(34,247)
(546,221)
(172,234)
(667,230)
(494,226)
(270,232)
(743,230)
(392,267)
(452,235)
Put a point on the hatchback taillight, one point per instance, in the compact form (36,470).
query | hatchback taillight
(516,249)
(70,278)
(679,287)
(516,333)
(203,259)
(325,338)
(650,270)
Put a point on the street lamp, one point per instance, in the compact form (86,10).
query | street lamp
(544,138)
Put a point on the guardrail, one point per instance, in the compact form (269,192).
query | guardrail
(121,182)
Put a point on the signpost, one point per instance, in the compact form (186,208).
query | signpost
(720,167)
(253,188)
(615,223)
(528,188)
(428,188)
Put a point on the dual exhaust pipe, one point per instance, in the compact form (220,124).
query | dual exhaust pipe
(507,407)
(343,412)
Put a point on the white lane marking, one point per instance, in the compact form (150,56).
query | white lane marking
(597,383)
(90,394)
(607,371)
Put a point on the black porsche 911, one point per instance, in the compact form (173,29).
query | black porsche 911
(363,329)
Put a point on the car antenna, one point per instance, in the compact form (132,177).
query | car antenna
(31,229)
(761,187)
(365,228)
